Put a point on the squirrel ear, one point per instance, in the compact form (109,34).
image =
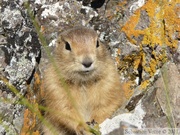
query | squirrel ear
(67,46)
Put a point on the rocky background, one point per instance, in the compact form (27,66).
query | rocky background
(142,35)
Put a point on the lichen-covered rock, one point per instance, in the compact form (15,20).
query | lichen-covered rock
(20,51)
(21,48)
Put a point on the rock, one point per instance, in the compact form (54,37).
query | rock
(176,57)
(2,59)
(7,128)
(19,53)
(154,118)
(158,107)
(21,47)
(11,113)
(144,21)
(115,125)
(168,93)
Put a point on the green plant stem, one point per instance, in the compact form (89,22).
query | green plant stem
(170,116)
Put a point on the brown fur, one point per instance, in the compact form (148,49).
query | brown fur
(74,97)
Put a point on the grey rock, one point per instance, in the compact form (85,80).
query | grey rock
(7,128)
(19,54)
(144,21)
(128,49)
(21,46)
(155,118)
(2,60)
(168,93)
(19,70)
(11,19)
(176,57)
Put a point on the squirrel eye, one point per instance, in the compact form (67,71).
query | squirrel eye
(97,44)
(67,46)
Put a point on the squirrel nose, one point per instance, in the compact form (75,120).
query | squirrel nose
(87,62)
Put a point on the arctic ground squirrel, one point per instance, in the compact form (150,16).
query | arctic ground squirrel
(82,85)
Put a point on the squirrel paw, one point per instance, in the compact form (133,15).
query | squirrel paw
(80,130)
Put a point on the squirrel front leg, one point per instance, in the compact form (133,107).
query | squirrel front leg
(60,116)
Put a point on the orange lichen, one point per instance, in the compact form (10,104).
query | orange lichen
(122,3)
(129,27)
(136,62)
(128,92)
(116,12)
(32,112)
(144,84)
(37,78)
(163,23)
(37,86)
(163,30)
(42,29)
(29,123)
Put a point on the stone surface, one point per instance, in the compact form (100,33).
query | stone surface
(156,108)
(130,120)
(168,93)
(19,53)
